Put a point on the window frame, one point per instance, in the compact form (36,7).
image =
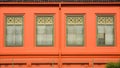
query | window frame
(77,25)
(44,15)
(5,36)
(105,15)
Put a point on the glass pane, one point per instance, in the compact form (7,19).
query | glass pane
(109,35)
(49,29)
(71,39)
(75,35)
(49,39)
(18,38)
(101,29)
(44,39)
(101,39)
(40,39)
(109,29)
(10,35)
(109,39)
(10,40)
(79,29)
(79,35)
(79,39)
(44,35)
(100,36)
(40,33)
(71,30)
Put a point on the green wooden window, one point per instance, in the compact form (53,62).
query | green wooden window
(105,30)
(44,33)
(75,30)
(14,31)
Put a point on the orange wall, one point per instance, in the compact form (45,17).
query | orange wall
(54,62)
(29,14)
(89,47)
(61,59)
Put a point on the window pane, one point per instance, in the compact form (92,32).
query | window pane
(101,29)
(44,30)
(71,39)
(10,34)
(109,35)
(75,30)
(44,35)
(79,39)
(18,38)
(101,33)
(75,35)
(109,39)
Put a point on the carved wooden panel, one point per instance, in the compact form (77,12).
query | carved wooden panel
(75,19)
(14,20)
(44,19)
(105,20)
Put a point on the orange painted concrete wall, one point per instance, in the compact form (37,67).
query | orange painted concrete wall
(54,62)
(61,56)
(89,47)
(29,14)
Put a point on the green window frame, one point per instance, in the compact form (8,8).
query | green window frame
(74,30)
(14,31)
(44,30)
(105,30)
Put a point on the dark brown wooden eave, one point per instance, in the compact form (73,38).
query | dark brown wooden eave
(57,3)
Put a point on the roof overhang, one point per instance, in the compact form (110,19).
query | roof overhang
(60,3)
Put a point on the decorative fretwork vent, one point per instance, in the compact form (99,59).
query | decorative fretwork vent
(105,20)
(44,20)
(14,20)
(75,20)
